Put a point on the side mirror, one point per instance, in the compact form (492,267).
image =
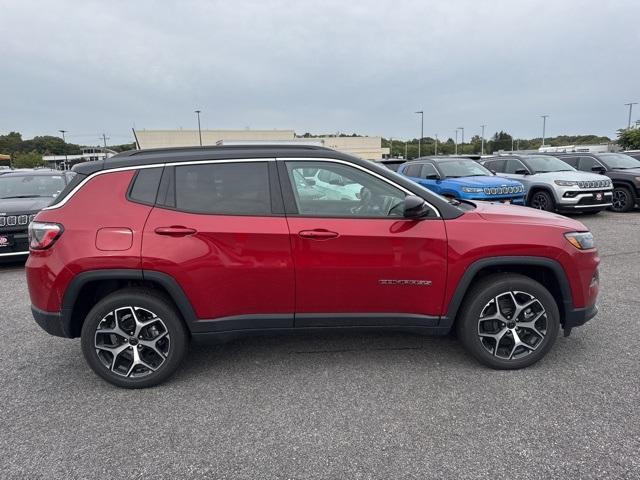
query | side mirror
(494,172)
(433,176)
(598,169)
(310,182)
(415,207)
(522,171)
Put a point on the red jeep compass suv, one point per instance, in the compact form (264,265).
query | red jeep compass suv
(151,248)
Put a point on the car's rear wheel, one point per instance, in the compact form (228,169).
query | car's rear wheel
(508,321)
(622,200)
(542,200)
(134,338)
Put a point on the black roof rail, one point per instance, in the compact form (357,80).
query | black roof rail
(218,148)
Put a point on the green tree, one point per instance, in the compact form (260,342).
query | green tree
(27,160)
(629,139)
(10,143)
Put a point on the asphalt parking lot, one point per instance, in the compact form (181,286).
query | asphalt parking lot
(336,406)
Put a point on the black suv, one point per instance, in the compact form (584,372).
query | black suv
(622,169)
(23,193)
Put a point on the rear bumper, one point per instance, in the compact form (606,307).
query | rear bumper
(50,322)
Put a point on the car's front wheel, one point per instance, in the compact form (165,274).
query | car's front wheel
(508,321)
(622,199)
(542,200)
(134,338)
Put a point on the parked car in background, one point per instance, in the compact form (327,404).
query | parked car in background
(552,184)
(150,249)
(23,193)
(462,179)
(633,153)
(622,169)
(393,163)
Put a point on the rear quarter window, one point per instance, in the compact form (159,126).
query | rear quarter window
(144,188)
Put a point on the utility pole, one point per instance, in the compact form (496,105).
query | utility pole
(512,144)
(390,147)
(544,127)
(482,141)
(462,144)
(199,130)
(405,151)
(436,149)
(104,139)
(456,141)
(630,105)
(421,132)
(65,148)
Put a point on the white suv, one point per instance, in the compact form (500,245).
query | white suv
(553,185)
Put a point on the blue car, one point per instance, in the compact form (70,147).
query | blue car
(463,179)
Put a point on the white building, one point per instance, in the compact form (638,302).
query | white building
(89,154)
(363,147)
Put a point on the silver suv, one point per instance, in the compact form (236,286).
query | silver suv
(553,185)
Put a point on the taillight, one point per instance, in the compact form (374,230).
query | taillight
(43,235)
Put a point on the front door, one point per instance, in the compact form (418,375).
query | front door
(357,260)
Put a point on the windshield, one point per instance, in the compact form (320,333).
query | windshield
(462,168)
(27,186)
(619,160)
(546,163)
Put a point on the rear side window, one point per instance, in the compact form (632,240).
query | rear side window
(413,170)
(145,185)
(224,188)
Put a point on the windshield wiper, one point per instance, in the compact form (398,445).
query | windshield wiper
(22,196)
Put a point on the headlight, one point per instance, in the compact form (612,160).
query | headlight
(565,183)
(472,190)
(580,240)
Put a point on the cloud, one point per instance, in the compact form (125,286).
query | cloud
(329,66)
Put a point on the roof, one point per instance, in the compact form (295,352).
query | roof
(26,171)
(439,159)
(133,158)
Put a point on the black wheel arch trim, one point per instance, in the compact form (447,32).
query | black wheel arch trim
(566,308)
(536,188)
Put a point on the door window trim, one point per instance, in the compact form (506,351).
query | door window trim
(287,188)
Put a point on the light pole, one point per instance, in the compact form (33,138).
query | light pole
(65,147)
(462,142)
(482,141)
(197,112)
(436,149)
(456,152)
(421,132)
(390,147)
(630,105)
(544,127)
(405,150)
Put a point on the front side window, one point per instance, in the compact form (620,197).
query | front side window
(238,188)
(350,192)
(512,166)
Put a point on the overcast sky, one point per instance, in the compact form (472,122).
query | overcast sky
(324,67)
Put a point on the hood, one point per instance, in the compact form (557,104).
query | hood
(497,212)
(628,171)
(485,181)
(571,175)
(23,205)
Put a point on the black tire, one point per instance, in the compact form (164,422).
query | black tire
(161,344)
(542,200)
(622,200)
(480,297)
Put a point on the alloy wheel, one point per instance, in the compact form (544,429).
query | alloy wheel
(539,201)
(512,325)
(132,342)
(619,200)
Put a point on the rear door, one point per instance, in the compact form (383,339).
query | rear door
(219,230)
(359,262)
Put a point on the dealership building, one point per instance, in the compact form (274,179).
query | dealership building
(364,147)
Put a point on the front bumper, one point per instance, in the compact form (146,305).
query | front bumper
(14,244)
(50,322)
(571,199)
(578,316)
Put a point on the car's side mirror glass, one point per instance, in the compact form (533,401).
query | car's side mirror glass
(415,207)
